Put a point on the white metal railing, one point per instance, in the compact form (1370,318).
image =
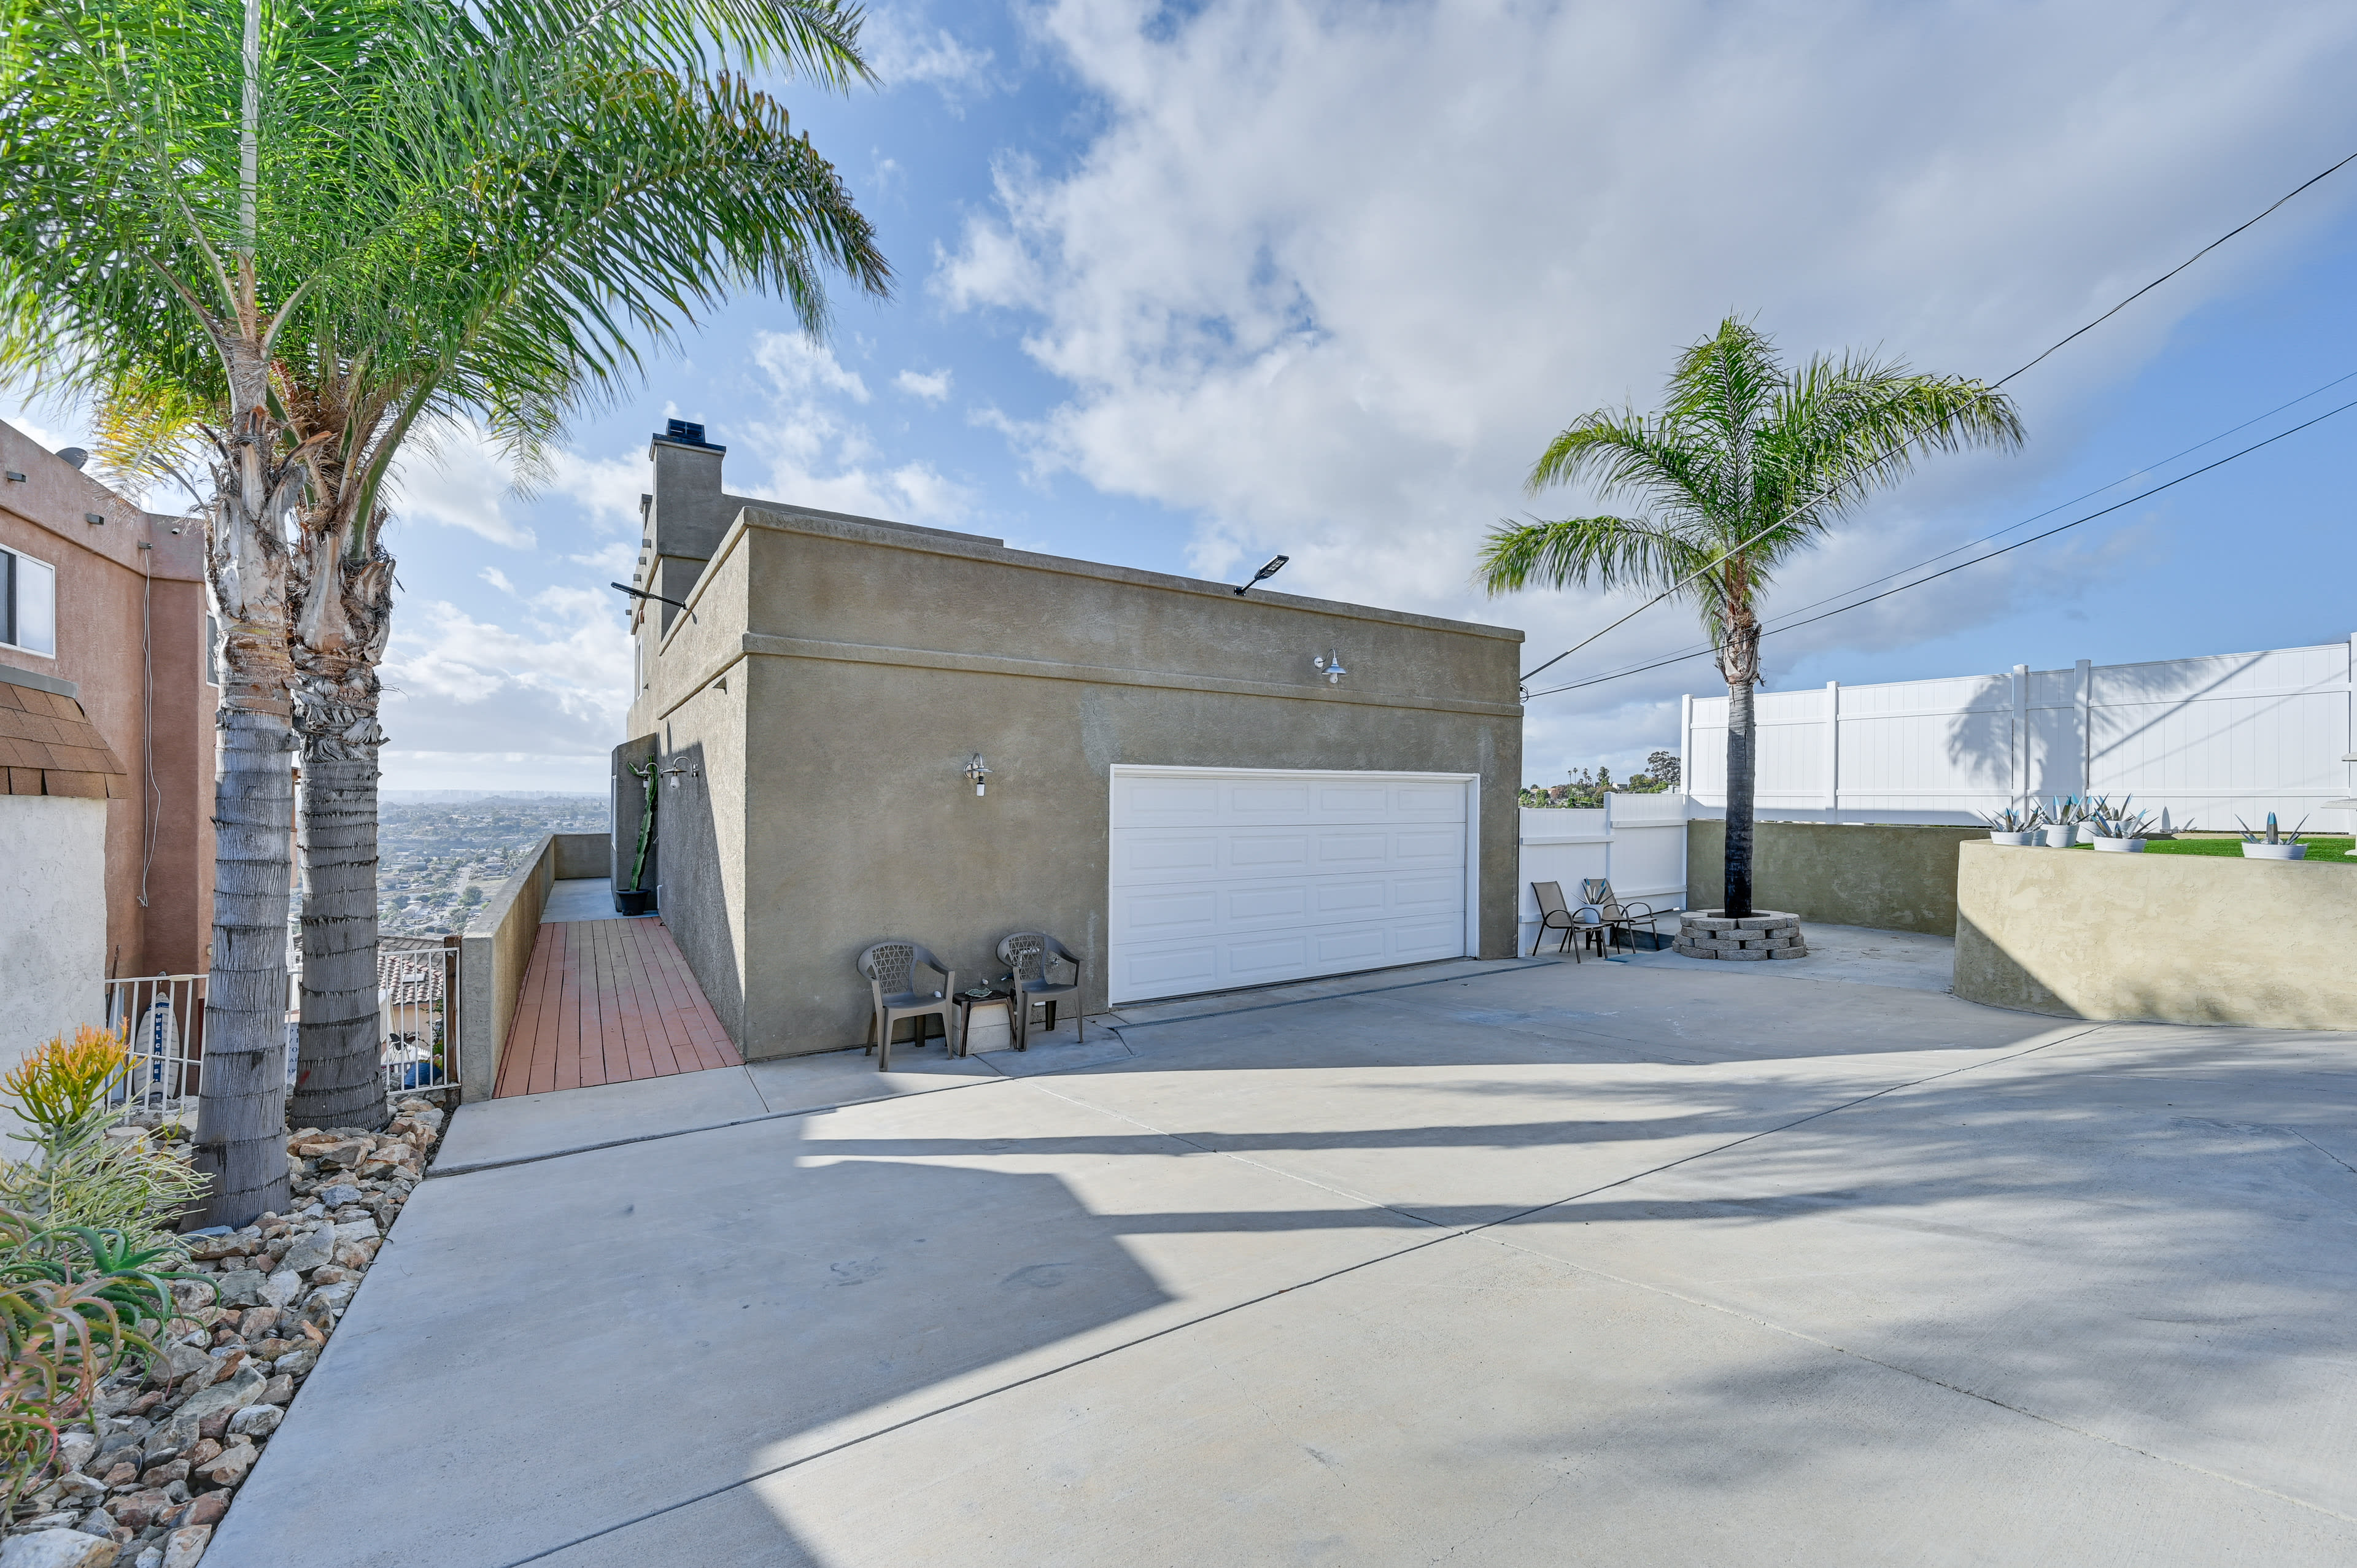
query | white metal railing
(160,1021)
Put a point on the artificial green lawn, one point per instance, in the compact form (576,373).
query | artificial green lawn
(2320,851)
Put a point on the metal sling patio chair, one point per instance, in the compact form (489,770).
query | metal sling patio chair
(1557,916)
(1028,956)
(1614,916)
(890,967)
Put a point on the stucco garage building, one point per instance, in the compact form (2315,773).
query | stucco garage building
(1175,789)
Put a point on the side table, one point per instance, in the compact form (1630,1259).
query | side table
(994,995)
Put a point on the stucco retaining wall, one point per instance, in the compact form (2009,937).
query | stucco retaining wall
(1892,877)
(53,919)
(493,953)
(2160,938)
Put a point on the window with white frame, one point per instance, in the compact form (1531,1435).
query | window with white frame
(29,604)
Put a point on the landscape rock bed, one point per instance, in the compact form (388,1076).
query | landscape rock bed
(143,1478)
(1763,934)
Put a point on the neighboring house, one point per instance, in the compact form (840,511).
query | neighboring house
(106,825)
(1175,788)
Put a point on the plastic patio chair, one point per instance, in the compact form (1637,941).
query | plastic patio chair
(890,967)
(1028,956)
(1557,916)
(1614,916)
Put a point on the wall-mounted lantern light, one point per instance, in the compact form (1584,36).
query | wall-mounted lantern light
(677,768)
(976,770)
(1332,664)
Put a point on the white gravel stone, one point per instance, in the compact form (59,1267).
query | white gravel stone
(57,1549)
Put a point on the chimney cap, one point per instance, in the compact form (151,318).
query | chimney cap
(687,432)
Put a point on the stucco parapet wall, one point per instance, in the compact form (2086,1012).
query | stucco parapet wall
(974,548)
(2171,939)
(754,643)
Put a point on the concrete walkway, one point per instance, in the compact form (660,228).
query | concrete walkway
(1638,1263)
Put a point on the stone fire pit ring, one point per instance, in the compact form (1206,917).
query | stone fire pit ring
(1763,934)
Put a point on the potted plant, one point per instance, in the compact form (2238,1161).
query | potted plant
(2273,844)
(634,899)
(2061,828)
(2013,827)
(2122,832)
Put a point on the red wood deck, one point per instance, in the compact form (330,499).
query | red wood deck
(608,1002)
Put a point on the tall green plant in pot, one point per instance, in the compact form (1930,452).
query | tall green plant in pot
(634,898)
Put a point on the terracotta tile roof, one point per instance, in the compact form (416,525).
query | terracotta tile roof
(409,973)
(49,747)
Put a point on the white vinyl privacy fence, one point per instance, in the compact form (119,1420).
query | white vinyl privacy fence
(1636,842)
(2210,740)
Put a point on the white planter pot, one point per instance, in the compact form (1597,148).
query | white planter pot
(2013,838)
(2062,835)
(2274,851)
(2119,846)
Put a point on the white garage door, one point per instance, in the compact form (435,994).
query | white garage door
(1224,879)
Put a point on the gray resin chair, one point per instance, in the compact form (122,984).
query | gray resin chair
(890,967)
(1030,956)
(1557,916)
(1615,917)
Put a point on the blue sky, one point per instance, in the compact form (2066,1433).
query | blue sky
(1181,286)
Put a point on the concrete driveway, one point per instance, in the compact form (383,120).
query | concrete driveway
(1628,1263)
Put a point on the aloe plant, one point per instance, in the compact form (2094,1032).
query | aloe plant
(2272,834)
(2027,820)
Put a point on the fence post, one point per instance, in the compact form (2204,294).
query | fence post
(1685,738)
(2020,759)
(2087,677)
(1832,748)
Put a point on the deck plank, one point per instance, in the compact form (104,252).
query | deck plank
(608,1002)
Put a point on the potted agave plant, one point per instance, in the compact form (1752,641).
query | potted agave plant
(2013,827)
(2122,832)
(634,899)
(2273,843)
(2062,830)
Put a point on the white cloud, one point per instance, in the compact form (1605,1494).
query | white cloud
(904,52)
(930,386)
(454,476)
(818,456)
(800,368)
(497,579)
(622,558)
(1328,277)
(556,686)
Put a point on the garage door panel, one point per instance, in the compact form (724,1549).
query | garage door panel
(1225,882)
(1345,851)
(1428,896)
(1264,902)
(1418,941)
(1254,958)
(1350,898)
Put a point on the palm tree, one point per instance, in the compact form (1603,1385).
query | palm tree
(1745,465)
(300,231)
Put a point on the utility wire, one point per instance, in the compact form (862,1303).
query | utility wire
(2188,262)
(2009,528)
(1976,560)
(2050,348)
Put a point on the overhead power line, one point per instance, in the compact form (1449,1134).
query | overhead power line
(2313,179)
(1991,556)
(1999,533)
(2010,375)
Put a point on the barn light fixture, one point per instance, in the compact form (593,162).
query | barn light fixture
(976,770)
(1332,664)
(677,768)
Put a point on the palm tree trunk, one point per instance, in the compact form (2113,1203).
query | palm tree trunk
(1737,903)
(340,1078)
(240,1137)
(1739,661)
